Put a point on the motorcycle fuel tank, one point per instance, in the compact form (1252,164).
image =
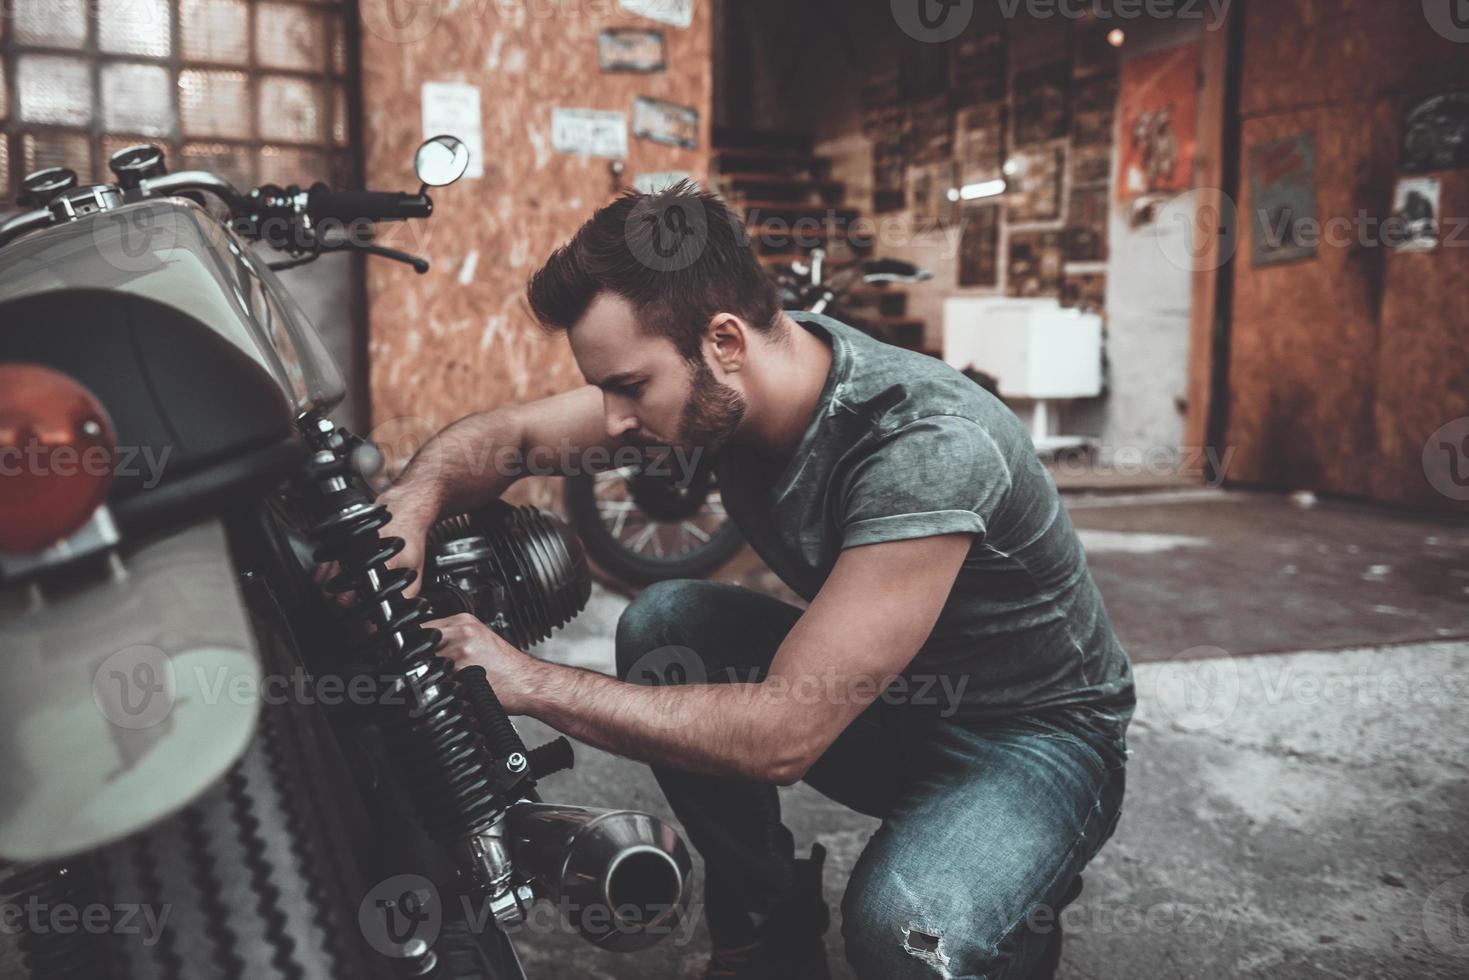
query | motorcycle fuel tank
(173,252)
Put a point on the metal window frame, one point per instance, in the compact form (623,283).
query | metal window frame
(339,19)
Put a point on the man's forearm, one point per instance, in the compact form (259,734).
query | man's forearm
(457,470)
(718,729)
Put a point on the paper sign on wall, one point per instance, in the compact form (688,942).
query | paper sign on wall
(1415,210)
(453,108)
(591,132)
(679,13)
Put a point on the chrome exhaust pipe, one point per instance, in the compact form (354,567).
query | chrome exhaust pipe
(620,877)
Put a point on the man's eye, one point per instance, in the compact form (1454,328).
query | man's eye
(635,389)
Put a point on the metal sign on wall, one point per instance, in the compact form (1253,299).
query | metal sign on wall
(665,122)
(590,132)
(629,49)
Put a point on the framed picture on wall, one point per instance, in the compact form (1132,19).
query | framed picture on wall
(1086,225)
(1283,199)
(979,245)
(882,110)
(979,142)
(1042,103)
(889,171)
(1085,291)
(1091,164)
(979,68)
(929,200)
(1094,107)
(1035,186)
(1159,122)
(1035,264)
(931,130)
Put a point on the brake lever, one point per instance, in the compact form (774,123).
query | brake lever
(420,265)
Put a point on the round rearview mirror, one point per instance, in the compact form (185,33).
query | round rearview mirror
(441,160)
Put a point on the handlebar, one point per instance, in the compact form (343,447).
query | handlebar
(196,180)
(324,203)
(320,203)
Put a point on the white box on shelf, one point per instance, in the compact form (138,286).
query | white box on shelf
(1032,347)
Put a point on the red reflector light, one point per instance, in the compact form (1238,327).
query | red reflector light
(56,454)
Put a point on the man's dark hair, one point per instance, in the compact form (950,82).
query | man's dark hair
(678,256)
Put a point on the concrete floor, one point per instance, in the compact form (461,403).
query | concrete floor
(1291,815)
(1191,572)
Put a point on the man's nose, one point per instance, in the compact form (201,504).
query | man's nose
(619,423)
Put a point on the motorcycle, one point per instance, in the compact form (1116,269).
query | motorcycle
(810,284)
(643,525)
(214,769)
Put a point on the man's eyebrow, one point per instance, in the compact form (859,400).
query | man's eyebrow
(615,380)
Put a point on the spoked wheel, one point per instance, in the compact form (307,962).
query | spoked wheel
(645,529)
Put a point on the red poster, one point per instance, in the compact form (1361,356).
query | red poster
(1159,109)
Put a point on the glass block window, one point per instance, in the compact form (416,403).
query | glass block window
(255,90)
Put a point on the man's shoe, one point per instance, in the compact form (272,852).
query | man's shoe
(789,944)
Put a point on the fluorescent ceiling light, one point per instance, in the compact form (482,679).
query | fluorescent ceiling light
(973,192)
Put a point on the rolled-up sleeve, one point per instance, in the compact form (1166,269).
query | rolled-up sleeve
(941,474)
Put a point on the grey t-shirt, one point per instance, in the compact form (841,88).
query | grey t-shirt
(903,446)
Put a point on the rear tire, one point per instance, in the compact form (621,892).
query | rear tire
(260,876)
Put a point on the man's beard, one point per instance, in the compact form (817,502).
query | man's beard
(712,413)
(707,422)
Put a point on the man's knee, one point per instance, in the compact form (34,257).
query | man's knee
(652,622)
(885,935)
(893,929)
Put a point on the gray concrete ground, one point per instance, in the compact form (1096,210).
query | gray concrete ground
(1289,815)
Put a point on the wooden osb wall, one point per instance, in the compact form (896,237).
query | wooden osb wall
(461,339)
(1343,366)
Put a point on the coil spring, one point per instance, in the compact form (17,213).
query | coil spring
(441,752)
(51,953)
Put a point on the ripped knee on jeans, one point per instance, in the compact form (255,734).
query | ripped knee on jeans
(928,946)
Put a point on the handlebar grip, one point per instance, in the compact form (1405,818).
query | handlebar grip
(371,205)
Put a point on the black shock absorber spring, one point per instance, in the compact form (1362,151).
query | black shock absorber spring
(41,893)
(441,751)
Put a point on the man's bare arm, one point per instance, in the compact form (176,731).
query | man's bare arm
(875,610)
(478,458)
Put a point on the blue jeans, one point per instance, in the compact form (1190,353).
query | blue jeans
(983,828)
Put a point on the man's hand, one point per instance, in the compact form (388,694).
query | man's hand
(411,521)
(468,641)
(870,618)
(413,516)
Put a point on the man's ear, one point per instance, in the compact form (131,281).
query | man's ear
(726,339)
